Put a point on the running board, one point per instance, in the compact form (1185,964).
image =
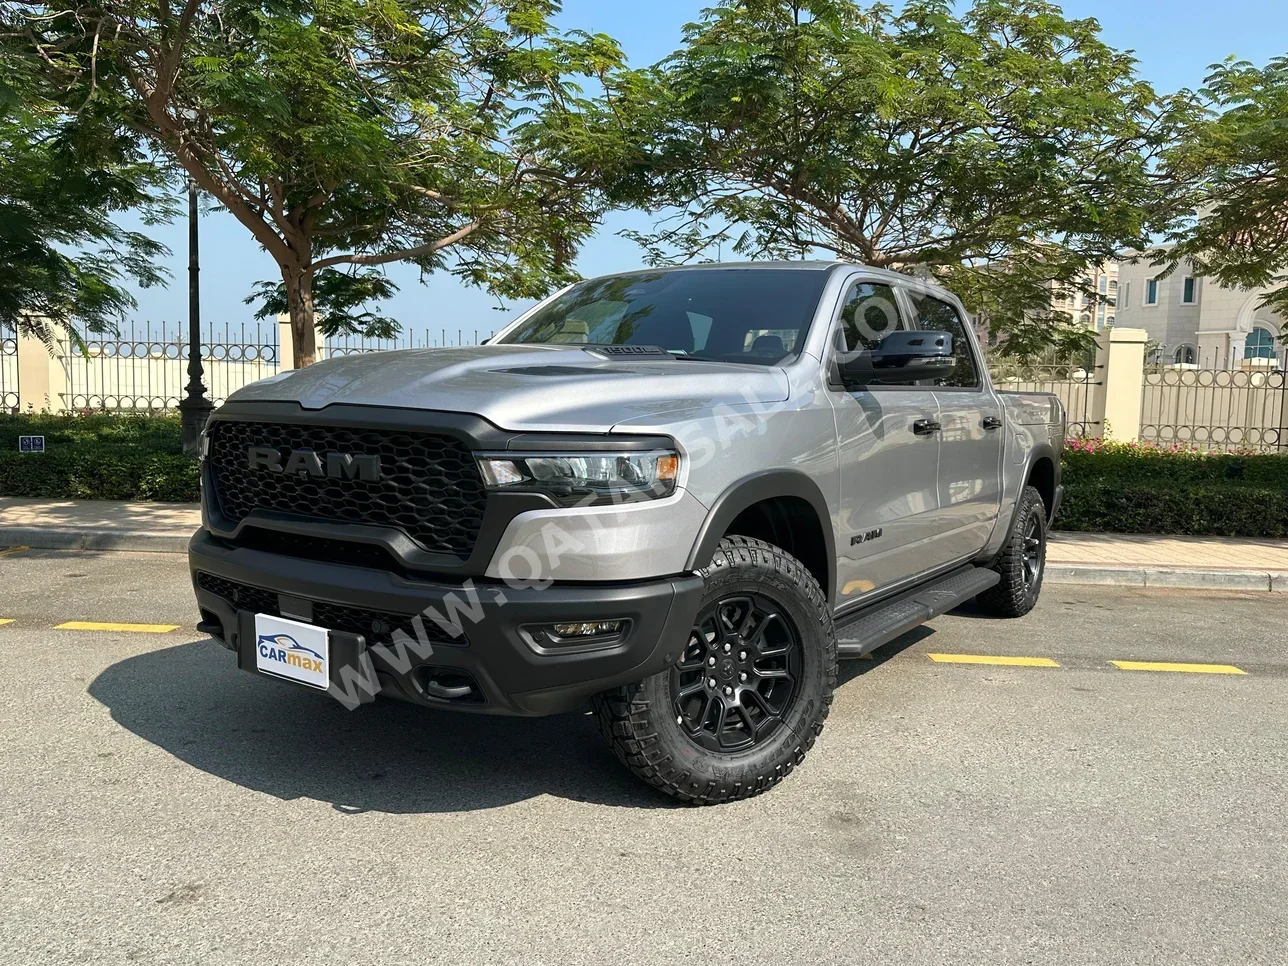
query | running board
(883,622)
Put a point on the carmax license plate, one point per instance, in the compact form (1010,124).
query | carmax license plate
(292,650)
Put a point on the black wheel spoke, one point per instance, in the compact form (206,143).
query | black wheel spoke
(697,687)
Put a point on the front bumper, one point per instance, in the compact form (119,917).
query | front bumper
(491,666)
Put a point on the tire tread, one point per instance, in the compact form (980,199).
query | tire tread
(624,714)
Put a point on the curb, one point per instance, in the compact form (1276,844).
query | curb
(47,538)
(1166,577)
(146,541)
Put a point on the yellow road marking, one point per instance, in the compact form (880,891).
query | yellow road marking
(1178,668)
(6,620)
(992,659)
(132,628)
(12,550)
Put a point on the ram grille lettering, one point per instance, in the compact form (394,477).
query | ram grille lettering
(307,462)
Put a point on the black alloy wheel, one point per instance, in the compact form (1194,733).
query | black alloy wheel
(738,676)
(1032,550)
(748,687)
(1021,562)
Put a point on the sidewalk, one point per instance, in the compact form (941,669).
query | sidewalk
(97,525)
(1124,560)
(1145,560)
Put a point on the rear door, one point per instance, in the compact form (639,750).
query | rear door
(889,499)
(970,439)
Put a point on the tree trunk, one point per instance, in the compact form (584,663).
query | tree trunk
(299,304)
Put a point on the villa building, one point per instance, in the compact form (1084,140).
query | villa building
(1197,321)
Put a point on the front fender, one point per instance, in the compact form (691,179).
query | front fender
(754,489)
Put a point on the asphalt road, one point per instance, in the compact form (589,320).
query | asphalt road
(159,806)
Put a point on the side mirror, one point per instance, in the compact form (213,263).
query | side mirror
(902,359)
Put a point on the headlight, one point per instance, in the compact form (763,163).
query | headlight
(585,478)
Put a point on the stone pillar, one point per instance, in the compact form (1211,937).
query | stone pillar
(42,378)
(1124,382)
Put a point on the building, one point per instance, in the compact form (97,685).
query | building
(1097,311)
(1196,321)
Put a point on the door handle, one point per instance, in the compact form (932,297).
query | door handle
(926,427)
(992,422)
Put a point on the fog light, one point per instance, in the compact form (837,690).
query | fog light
(588,628)
(575,635)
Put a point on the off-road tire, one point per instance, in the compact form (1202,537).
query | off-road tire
(640,722)
(1018,591)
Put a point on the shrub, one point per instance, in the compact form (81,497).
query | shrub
(1135,488)
(100,456)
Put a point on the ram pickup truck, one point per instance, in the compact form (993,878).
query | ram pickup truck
(681,494)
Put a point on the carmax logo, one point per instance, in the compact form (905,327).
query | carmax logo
(284,649)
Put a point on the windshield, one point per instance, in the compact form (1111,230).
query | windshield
(759,316)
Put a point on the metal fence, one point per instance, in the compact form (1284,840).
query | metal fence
(407,339)
(8,370)
(1193,400)
(1075,385)
(145,366)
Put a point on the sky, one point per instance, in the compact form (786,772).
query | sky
(1174,40)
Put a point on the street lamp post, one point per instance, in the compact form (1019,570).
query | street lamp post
(194,409)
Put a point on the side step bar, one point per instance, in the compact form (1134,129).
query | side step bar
(881,623)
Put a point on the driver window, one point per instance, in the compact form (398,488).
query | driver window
(868,312)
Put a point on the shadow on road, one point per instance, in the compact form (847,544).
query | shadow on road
(851,669)
(388,757)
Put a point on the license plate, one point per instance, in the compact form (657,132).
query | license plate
(292,650)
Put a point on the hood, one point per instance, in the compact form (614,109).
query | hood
(523,387)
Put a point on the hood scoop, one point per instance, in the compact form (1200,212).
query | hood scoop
(562,371)
(628,351)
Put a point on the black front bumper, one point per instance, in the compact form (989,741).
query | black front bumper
(492,666)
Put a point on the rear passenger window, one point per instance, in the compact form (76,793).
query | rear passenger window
(867,314)
(939,316)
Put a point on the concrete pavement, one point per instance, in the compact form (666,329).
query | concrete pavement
(159,806)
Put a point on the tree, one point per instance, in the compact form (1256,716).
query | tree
(1236,154)
(65,260)
(347,134)
(998,152)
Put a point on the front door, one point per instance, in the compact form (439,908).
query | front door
(971,436)
(889,456)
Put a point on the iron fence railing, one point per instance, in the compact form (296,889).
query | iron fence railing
(1209,402)
(8,370)
(1074,385)
(425,338)
(144,367)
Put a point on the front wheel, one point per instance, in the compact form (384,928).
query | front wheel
(750,692)
(1022,561)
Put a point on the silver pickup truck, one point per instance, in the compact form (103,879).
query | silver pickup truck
(682,494)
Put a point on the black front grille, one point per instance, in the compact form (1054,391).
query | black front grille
(377,626)
(429,486)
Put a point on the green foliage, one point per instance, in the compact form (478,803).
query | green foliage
(1237,153)
(348,133)
(97,457)
(1127,488)
(346,303)
(64,259)
(998,150)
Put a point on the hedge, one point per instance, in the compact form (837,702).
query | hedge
(1109,487)
(97,457)
(1133,488)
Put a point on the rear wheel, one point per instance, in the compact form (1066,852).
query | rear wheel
(748,695)
(1022,561)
